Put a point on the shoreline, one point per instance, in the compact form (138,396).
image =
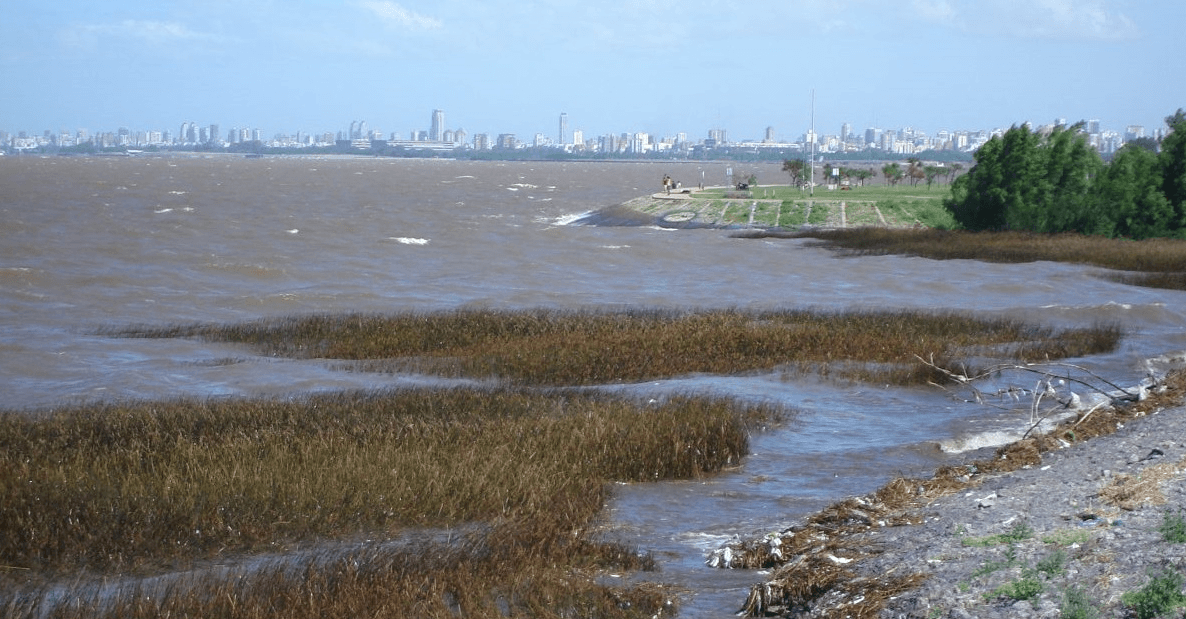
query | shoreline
(1091,493)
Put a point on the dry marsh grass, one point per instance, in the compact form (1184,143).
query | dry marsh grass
(101,490)
(120,488)
(117,486)
(574,347)
(1157,263)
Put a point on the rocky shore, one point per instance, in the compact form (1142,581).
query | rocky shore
(1077,522)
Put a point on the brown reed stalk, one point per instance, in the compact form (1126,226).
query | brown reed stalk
(1162,259)
(584,347)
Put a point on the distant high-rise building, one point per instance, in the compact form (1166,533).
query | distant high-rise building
(845,132)
(563,128)
(437,131)
(769,134)
(1093,125)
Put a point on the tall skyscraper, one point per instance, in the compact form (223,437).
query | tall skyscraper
(437,132)
(563,128)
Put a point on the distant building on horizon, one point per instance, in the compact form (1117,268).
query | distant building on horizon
(563,129)
(436,132)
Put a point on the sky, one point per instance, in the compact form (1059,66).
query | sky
(656,66)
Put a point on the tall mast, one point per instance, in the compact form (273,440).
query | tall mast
(811,162)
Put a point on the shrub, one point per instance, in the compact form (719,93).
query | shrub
(1076,604)
(1053,564)
(1025,588)
(1162,594)
(1173,528)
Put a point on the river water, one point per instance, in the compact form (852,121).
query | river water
(93,243)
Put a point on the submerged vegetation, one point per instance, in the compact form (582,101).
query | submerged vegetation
(574,347)
(471,501)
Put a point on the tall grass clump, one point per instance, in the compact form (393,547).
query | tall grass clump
(562,347)
(123,486)
(1153,262)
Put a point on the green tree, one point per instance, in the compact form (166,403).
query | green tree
(1131,198)
(933,172)
(892,173)
(1023,180)
(952,170)
(1173,169)
(1070,167)
(798,170)
(1000,183)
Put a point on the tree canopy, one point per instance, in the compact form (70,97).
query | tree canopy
(1056,182)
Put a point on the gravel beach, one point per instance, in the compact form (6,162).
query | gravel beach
(1060,525)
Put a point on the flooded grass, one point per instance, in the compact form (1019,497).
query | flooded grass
(1154,263)
(105,491)
(574,347)
(141,488)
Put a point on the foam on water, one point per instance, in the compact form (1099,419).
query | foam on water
(408,240)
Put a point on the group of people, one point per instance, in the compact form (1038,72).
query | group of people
(669,183)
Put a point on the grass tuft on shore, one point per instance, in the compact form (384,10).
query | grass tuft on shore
(113,486)
(1156,263)
(513,478)
(590,347)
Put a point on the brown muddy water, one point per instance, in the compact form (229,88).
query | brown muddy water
(87,244)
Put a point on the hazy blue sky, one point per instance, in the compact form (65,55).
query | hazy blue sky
(660,66)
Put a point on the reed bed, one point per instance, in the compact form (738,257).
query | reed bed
(142,488)
(121,486)
(1155,263)
(588,347)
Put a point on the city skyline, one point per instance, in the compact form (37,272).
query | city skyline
(438,136)
(663,67)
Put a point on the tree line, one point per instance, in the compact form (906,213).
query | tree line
(1050,182)
(914,172)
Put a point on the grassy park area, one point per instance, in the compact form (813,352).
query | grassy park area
(789,207)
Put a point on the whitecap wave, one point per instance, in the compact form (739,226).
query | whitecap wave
(163,210)
(408,240)
(565,220)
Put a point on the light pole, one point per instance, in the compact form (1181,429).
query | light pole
(811,161)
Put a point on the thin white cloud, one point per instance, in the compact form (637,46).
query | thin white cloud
(396,15)
(1059,20)
(1074,19)
(155,32)
(934,10)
